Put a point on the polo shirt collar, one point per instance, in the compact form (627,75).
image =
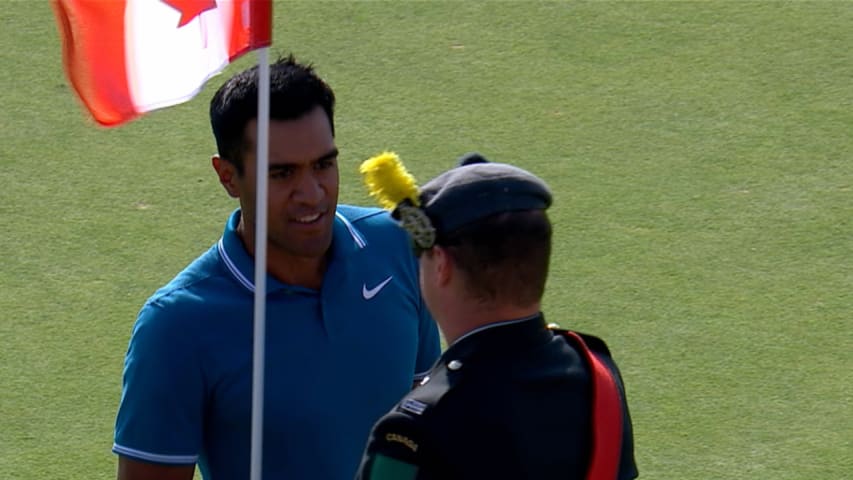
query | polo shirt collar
(346,240)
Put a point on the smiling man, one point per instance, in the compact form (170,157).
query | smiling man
(347,332)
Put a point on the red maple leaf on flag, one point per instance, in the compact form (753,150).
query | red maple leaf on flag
(190,8)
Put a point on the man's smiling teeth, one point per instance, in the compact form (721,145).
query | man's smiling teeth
(308,218)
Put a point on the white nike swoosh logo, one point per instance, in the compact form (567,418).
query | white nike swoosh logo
(370,293)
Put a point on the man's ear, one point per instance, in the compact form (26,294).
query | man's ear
(443,265)
(227,173)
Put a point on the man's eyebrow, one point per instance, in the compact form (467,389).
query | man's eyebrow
(329,155)
(281,166)
(326,156)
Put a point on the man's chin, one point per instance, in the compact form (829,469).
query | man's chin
(311,248)
(313,252)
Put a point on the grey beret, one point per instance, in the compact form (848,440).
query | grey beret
(477,189)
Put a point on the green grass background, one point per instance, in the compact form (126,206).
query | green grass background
(699,153)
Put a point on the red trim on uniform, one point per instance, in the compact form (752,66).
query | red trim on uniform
(607,418)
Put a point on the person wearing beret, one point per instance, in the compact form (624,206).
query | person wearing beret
(512,397)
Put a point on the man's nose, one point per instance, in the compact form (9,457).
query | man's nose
(308,189)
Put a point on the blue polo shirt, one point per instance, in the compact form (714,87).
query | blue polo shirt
(337,359)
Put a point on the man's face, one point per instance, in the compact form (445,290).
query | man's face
(303,185)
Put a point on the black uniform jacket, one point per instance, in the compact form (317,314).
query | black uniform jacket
(508,401)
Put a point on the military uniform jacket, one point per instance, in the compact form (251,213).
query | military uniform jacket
(508,401)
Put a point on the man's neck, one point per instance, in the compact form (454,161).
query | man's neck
(294,270)
(471,316)
(301,271)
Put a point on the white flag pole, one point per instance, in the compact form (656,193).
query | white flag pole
(261,182)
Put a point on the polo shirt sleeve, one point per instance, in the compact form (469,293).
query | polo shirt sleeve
(429,347)
(161,410)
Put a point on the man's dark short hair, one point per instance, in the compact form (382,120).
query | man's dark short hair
(504,257)
(295,90)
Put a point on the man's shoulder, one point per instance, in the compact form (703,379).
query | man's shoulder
(356,212)
(200,283)
(498,383)
(428,401)
(415,415)
(366,217)
(374,225)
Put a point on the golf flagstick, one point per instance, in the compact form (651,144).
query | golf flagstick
(259,337)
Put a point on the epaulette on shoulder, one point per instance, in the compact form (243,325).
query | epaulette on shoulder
(426,395)
(594,343)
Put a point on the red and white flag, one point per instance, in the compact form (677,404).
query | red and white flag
(126,57)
